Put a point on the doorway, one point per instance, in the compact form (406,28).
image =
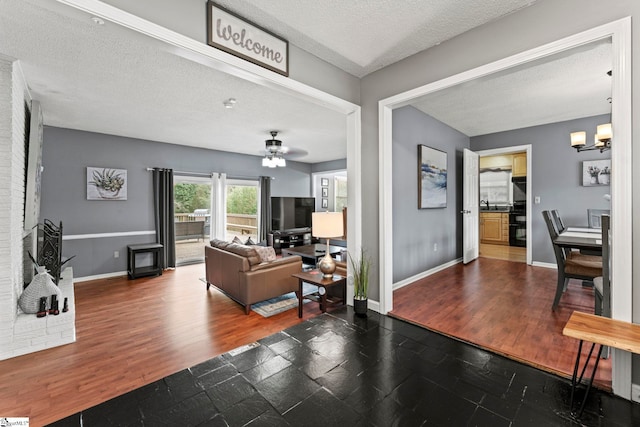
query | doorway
(619,33)
(192,218)
(505,188)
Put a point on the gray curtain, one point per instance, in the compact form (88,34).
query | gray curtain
(163,214)
(265,207)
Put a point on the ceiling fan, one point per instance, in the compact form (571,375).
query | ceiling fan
(275,152)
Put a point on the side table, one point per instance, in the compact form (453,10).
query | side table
(315,277)
(149,248)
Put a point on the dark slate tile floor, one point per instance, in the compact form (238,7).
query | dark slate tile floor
(338,369)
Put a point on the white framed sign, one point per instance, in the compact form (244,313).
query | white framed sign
(237,36)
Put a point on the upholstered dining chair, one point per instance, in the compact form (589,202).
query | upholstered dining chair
(602,284)
(571,264)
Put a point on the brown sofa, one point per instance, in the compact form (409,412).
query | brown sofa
(239,272)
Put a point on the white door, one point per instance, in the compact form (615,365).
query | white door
(470,207)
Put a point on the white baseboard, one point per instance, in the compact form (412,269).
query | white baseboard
(99,276)
(545,265)
(415,278)
(635,392)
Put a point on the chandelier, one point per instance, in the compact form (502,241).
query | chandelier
(601,141)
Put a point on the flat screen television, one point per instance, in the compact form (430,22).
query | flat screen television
(291,213)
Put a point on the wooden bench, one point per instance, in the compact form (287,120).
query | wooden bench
(601,331)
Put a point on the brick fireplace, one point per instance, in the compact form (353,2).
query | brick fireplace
(21,333)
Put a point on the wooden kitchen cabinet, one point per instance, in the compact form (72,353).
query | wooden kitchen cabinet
(519,166)
(494,228)
(499,162)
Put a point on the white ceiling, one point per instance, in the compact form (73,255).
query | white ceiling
(112,80)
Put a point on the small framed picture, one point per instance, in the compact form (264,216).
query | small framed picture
(325,203)
(324,182)
(325,192)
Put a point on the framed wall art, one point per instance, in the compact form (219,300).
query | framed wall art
(106,184)
(432,178)
(325,203)
(596,172)
(325,192)
(324,182)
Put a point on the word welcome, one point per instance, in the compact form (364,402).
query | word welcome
(226,32)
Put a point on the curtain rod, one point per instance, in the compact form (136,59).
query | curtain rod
(211,173)
(185,173)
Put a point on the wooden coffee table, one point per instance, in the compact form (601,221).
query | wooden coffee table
(310,254)
(314,277)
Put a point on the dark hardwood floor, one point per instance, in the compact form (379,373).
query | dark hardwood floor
(129,334)
(504,307)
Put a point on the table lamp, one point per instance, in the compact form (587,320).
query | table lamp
(327,225)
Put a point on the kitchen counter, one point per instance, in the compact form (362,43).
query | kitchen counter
(503,209)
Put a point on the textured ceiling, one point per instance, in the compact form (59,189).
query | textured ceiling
(565,86)
(113,80)
(365,35)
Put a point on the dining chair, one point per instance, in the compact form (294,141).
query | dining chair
(558,221)
(594,217)
(602,284)
(571,264)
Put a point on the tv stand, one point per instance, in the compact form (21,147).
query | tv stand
(289,239)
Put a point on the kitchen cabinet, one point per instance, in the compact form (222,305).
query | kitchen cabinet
(519,165)
(494,228)
(496,162)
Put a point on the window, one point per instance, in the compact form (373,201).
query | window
(242,209)
(340,183)
(192,202)
(495,187)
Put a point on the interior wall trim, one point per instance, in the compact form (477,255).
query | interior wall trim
(107,235)
(619,32)
(419,276)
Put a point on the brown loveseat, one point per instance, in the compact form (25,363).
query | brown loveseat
(240,272)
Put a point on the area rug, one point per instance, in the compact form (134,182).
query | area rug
(282,303)
(279,304)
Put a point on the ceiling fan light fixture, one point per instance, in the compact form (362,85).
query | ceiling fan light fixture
(274,152)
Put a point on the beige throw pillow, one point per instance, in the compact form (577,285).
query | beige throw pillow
(266,253)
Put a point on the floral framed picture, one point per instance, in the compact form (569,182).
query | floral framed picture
(596,172)
(106,184)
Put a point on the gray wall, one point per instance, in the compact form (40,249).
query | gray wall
(189,18)
(317,169)
(557,175)
(66,154)
(543,22)
(416,231)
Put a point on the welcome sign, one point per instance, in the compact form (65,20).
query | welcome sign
(227,31)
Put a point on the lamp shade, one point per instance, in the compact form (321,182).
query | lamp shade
(578,139)
(597,142)
(326,225)
(604,132)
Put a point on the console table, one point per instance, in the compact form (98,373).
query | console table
(155,269)
(289,239)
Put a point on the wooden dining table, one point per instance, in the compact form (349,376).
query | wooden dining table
(583,239)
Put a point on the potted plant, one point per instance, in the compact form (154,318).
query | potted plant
(360,268)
